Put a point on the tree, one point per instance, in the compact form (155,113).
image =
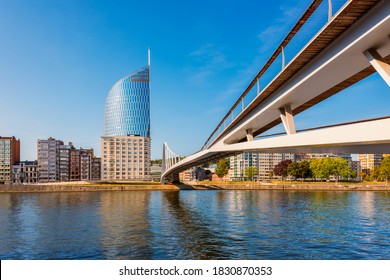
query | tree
(294,169)
(299,170)
(250,172)
(384,169)
(340,168)
(156,162)
(222,167)
(323,168)
(281,168)
(305,169)
(364,176)
(353,174)
(375,173)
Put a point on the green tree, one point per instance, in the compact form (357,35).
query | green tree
(250,172)
(222,167)
(384,169)
(323,168)
(364,176)
(156,162)
(294,169)
(353,174)
(305,169)
(281,168)
(340,168)
(375,173)
(299,170)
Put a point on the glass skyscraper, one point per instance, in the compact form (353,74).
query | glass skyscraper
(127,110)
(126,142)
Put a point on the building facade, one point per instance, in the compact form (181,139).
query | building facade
(74,164)
(127,108)
(126,158)
(95,168)
(25,172)
(86,156)
(64,162)
(310,156)
(126,144)
(59,162)
(267,162)
(264,163)
(9,155)
(48,159)
(369,161)
(239,163)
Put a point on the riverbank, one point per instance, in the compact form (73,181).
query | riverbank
(142,186)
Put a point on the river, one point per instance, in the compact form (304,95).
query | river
(195,225)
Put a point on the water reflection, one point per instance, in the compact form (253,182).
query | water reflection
(195,225)
(196,237)
(125,226)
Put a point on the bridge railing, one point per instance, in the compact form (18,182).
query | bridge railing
(318,14)
(169,158)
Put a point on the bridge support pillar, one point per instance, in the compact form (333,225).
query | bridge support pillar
(379,64)
(287,119)
(249,135)
(175,178)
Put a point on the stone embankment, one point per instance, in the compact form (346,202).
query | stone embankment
(308,187)
(82,188)
(77,187)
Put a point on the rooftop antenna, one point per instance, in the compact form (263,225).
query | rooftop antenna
(148,56)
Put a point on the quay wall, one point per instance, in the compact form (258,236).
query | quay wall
(309,187)
(181,186)
(82,188)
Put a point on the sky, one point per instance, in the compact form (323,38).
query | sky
(59,59)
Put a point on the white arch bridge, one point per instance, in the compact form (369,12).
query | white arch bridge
(352,43)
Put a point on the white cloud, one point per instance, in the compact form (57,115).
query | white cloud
(208,59)
(273,35)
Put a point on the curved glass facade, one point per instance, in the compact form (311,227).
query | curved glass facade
(127,109)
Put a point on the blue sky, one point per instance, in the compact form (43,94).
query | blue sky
(58,60)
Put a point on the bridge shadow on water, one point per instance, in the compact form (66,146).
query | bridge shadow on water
(199,238)
(183,186)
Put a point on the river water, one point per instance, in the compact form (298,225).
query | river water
(195,225)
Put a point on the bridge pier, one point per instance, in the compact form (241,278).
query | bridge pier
(379,64)
(175,178)
(287,119)
(249,135)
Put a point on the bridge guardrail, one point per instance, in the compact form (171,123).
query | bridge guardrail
(318,14)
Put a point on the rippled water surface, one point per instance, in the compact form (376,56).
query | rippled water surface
(195,225)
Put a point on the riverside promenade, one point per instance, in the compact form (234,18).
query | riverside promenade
(205,185)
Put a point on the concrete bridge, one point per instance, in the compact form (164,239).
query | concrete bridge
(353,43)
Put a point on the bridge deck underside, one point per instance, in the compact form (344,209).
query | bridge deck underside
(332,91)
(359,137)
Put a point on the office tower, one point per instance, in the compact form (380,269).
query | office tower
(125,146)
